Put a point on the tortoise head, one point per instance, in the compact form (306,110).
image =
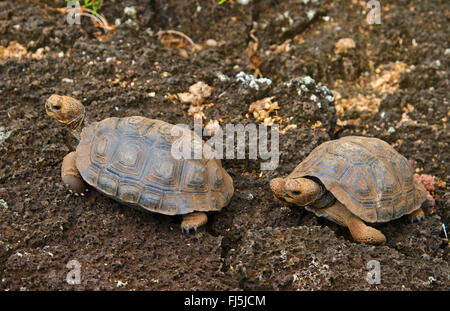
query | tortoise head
(67,111)
(64,109)
(298,191)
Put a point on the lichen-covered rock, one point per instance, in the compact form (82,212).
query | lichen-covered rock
(308,103)
(251,88)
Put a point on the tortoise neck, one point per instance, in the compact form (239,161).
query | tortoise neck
(326,200)
(75,126)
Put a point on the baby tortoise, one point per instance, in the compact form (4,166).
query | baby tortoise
(354,180)
(130,160)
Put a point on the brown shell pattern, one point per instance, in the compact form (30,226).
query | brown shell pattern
(367,175)
(129,159)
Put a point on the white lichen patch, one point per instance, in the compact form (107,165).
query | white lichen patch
(121,284)
(3,203)
(4,134)
(130,11)
(302,81)
(311,14)
(222,77)
(251,81)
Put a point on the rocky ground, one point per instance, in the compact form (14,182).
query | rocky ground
(387,80)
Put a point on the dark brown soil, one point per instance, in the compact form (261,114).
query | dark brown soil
(254,242)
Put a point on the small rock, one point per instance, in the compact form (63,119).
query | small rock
(197,94)
(211,43)
(130,11)
(262,108)
(67,80)
(343,45)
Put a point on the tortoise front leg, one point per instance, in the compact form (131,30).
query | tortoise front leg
(193,221)
(359,230)
(418,215)
(70,175)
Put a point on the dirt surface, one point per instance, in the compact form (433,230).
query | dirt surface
(392,85)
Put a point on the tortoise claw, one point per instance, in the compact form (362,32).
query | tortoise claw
(417,215)
(418,219)
(193,221)
(76,193)
(186,229)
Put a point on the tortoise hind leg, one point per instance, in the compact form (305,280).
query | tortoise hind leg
(359,230)
(193,221)
(70,175)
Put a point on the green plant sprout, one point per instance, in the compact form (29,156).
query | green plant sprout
(91,7)
(94,5)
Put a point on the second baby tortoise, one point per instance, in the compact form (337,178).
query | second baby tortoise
(130,160)
(353,180)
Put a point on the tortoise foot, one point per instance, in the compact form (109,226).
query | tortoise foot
(70,176)
(416,216)
(365,234)
(193,221)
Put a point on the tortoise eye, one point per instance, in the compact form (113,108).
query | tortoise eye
(56,107)
(296,192)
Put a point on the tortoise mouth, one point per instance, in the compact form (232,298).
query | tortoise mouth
(288,199)
(50,111)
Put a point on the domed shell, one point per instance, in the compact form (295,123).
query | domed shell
(130,160)
(367,175)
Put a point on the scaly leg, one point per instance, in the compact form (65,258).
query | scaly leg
(359,230)
(193,221)
(70,175)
